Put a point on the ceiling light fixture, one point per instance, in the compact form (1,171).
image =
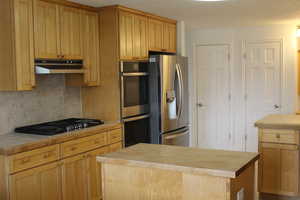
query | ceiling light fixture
(298,31)
(210,0)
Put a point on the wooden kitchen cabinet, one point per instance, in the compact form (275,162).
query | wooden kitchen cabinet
(156,32)
(70,33)
(16,45)
(140,35)
(74,178)
(126,24)
(279,162)
(94,174)
(41,183)
(133,36)
(46,30)
(162,36)
(90,38)
(169,37)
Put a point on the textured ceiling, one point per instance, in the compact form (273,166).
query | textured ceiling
(228,13)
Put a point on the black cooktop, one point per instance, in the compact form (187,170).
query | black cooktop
(60,126)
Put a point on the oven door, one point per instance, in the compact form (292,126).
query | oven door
(179,137)
(136,130)
(134,87)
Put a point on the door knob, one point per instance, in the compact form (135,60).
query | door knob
(199,104)
(276,106)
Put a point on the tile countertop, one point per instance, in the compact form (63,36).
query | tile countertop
(13,143)
(220,163)
(280,121)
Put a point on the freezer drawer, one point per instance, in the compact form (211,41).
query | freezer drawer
(179,137)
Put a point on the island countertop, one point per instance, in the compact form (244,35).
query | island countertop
(280,121)
(220,163)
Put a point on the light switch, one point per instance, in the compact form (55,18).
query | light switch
(240,194)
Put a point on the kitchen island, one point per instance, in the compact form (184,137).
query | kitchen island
(161,172)
(279,144)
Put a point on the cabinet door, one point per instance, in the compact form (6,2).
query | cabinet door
(70,33)
(42,183)
(23,20)
(279,169)
(115,147)
(74,178)
(169,38)
(90,37)
(94,174)
(156,28)
(126,21)
(46,30)
(140,37)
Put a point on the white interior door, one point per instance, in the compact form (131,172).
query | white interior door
(213,96)
(263,86)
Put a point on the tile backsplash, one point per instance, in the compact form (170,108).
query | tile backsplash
(50,100)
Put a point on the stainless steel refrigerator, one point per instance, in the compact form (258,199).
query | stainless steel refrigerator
(169,100)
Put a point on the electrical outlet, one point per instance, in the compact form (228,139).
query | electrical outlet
(240,194)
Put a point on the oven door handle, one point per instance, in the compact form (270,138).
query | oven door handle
(136,118)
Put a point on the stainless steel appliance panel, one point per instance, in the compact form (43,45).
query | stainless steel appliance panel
(174,92)
(178,137)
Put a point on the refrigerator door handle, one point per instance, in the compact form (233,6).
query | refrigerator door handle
(176,135)
(180,79)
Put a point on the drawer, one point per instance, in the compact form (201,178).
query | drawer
(279,136)
(33,158)
(83,144)
(115,147)
(114,136)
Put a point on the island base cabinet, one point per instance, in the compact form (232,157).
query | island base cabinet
(279,169)
(42,183)
(136,183)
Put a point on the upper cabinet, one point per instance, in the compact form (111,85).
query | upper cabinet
(126,23)
(169,37)
(162,36)
(90,47)
(46,30)
(140,33)
(16,45)
(156,31)
(57,31)
(70,26)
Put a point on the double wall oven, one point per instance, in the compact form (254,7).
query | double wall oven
(135,102)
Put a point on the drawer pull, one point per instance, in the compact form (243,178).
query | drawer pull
(47,155)
(73,148)
(25,160)
(278,136)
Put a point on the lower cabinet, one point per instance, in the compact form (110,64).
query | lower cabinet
(94,174)
(279,169)
(41,183)
(74,178)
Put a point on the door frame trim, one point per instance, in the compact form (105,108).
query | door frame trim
(195,124)
(282,71)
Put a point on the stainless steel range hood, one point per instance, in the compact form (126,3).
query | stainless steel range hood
(58,66)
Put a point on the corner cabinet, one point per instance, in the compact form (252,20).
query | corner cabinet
(279,162)
(16,45)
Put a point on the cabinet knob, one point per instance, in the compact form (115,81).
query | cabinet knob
(278,136)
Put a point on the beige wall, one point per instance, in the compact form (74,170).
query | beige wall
(50,100)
